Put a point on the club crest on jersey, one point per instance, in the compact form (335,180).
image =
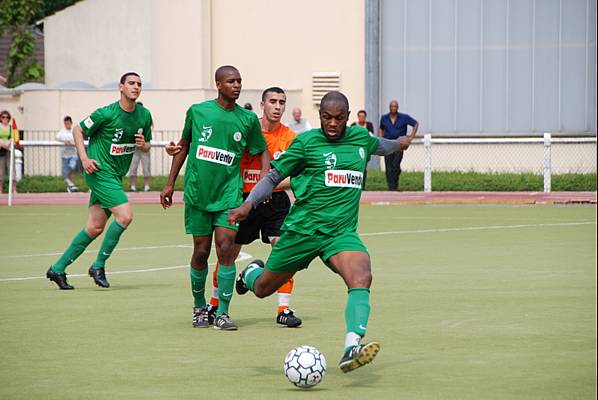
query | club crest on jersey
(361,152)
(343,178)
(118,134)
(214,155)
(237,136)
(88,122)
(330,160)
(206,133)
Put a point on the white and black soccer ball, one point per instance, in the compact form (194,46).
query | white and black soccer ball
(305,366)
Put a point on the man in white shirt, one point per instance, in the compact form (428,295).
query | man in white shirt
(69,154)
(298,124)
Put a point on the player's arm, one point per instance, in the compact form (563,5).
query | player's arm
(388,146)
(265,163)
(177,162)
(285,184)
(89,165)
(262,190)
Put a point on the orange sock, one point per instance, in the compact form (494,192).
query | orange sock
(284,295)
(214,299)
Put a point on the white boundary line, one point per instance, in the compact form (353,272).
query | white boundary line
(246,256)
(242,257)
(478,228)
(170,246)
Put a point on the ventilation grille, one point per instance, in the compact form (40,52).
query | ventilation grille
(322,83)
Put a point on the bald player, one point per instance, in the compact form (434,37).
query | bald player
(326,166)
(215,135)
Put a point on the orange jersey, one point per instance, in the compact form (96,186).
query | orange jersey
(278,141)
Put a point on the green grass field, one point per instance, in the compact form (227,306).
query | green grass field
(468,302)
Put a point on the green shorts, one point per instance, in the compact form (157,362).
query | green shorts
(106,191)
(294,251)
(202,223)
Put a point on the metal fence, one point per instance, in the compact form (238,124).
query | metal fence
(41,155)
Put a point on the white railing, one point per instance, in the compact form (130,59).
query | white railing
(579,161)
(536,155)
(157,146)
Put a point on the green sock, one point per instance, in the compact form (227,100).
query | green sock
(357,311)
(77,246)
(108,244)
(198,286)
(226,281)
(253,272)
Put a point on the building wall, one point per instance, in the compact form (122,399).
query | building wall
(96,41)
(517,66)
(281,43)
(179,45)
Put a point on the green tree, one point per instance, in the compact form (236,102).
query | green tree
(15,16)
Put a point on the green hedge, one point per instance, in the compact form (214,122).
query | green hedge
(410,181)
(490,182)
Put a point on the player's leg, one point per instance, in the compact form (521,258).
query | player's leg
(123,216)
(292,252)
(285,316)
(96,221)
(198,274)
(199,224)
(273,214)
(346,255)
(215,300)
(225,248)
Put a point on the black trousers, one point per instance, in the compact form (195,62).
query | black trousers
(392,163)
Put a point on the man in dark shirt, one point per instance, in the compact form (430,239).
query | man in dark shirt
(393,125)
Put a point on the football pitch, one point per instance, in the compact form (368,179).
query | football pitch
(468,302)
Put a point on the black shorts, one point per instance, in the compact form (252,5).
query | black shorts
(266,219)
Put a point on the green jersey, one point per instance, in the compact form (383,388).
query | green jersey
(111,132)
(218,138)
(327,176)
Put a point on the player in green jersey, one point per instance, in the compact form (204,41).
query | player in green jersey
(326,166)
(114,132)
(215,136)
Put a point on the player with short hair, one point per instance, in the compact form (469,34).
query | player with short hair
(114,132)
(326,166)
(215,136)
(266,220)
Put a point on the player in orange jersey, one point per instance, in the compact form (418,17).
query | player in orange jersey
(266,220)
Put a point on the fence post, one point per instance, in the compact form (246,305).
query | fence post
(547,162)
(427,162)
(11,175)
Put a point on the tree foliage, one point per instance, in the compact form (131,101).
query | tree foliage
(15,16)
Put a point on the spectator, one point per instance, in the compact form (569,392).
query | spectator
(144,158)
(69,154)
(361,121)
(298,124)
(6,136)
(393,125)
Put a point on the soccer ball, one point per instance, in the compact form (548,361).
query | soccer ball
(304,366)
